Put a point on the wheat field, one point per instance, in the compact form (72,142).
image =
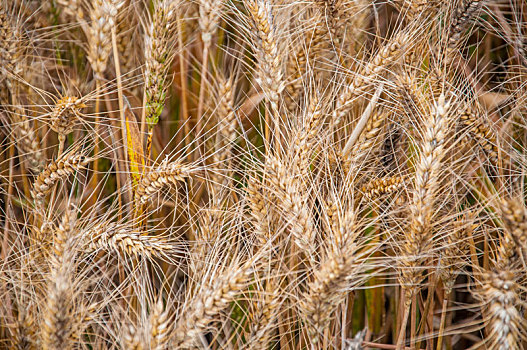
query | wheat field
(263,174)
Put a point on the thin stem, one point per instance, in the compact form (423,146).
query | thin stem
(119,88)
(402,331)
(62,139)
(267,132)
(121,99)
(202,88)
(183,81)
(413,322)
(95,176)
(443,320)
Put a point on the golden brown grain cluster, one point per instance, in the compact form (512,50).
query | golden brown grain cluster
(263,174)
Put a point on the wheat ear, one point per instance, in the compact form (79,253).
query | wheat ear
(269,74)
(208,304)
(58,324)
(417,245)
(379,187)
(60,169)
(160,327)
(463,15)
(294,204)
(419,236)
(158,56)
(120,239)
(335,276)
(166,174)
(264,317)
(28,143)
(514,215)
(365,76)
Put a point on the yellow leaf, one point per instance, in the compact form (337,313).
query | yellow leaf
(134,145)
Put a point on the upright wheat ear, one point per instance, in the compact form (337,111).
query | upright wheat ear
(226,126)
(159,327)
(29,145)
(269,72)
(302,61)
(418,242)
(131,339)
(306,138)
(261,216)
(205,306)
(58,327)
(23,335)
(332,279)
(11,54)
(501,293)
(158,56)
(514,216)
(264,317)
(99,40)
(72,8)
(294,204)
(480,131)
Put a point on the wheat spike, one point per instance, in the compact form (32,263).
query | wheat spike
(205,307)
(63,167)
(163,175)
(120,239)
(418,242)
(58,325)
(269,70)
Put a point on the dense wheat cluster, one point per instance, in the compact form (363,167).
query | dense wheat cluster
(263,174)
